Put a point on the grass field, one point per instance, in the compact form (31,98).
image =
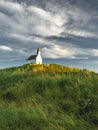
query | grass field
(48,97)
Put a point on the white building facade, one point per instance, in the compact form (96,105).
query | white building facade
(38,57)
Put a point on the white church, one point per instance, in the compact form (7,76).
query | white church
(37,57)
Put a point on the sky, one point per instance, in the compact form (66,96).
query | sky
(66,31)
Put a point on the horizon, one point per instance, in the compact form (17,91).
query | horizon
(64,62)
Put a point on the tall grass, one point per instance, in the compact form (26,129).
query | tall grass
(48,97)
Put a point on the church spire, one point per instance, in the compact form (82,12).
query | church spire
(38,50)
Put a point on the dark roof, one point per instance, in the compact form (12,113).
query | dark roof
(38,50)
(32,57)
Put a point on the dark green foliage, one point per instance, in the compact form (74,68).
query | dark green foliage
(48,97)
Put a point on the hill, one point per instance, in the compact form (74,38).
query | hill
(48,97)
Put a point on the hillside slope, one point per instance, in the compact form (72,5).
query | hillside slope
(48,97)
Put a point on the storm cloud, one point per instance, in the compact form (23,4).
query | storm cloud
(61,28)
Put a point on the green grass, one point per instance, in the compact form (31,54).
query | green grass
(48,97)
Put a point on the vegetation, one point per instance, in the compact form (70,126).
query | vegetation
(48,97)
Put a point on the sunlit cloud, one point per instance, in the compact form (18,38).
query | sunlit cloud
(5,48)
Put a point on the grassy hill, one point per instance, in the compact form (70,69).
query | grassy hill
(48,97)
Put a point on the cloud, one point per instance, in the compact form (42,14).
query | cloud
(56,19)
(5,48)
(57,52)
(10,8)
(65,52)
(24,19)
(45,23)
(94,52)
(62,29)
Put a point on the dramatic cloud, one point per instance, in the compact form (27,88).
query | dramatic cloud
(61,28)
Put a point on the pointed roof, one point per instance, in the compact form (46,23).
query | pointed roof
(38,50)
(32,57)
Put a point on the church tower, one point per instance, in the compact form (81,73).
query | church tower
(38,57)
